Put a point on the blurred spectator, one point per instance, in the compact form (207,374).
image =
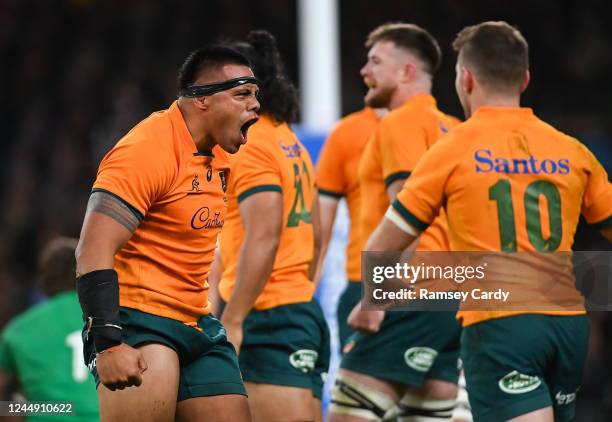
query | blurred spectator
(41,351)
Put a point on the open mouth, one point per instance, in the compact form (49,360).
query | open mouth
(371,84)
(245,128)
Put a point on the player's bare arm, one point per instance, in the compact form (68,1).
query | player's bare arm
(314,269)
(108,225)
(262,219)
(214,277)
(394,188)
(328,207)
(392,234)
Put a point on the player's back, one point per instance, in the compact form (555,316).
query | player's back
(273,160)
(337,174)
(397,144)
(520,184)
(43,348)
(512,183)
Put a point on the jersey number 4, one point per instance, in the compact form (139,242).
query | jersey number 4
(501,193)
(299,212)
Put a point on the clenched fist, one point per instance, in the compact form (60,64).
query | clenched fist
(120,366)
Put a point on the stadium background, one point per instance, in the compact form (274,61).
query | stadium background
(75,75)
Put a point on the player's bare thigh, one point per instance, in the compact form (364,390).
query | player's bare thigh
(431,388)
(318,409)
(155,399)
(540,415)
(229,407)
(277,403)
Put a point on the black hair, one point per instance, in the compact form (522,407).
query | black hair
(208,58)
(277,94)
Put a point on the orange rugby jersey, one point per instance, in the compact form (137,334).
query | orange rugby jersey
(509,182)
(273,160)
(178,196)
(337,171)
(395,147)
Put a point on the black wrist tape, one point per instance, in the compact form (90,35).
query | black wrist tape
(99,297)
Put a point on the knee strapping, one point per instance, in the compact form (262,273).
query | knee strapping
(420,409)
(463,411)
(350,397)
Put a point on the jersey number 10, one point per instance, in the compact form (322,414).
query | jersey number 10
(502,194)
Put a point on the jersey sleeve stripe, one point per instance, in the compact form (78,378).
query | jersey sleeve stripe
(396,176)
(133,209)
(256,189)
(606,223)
(336,195)
(393,216)
(407,215)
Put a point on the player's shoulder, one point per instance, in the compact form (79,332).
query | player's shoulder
(560,140)
(156,129)
(457,137)
(264,139)
(420,112)
(351,125)
(355,120)
(263,132)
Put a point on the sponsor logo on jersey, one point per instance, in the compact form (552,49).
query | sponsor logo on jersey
(292,151)
(486,163)
(420,358)
(565,398)
(517,383)
(304,360)
(204,218)
(92,365)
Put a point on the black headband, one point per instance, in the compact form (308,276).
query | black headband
(210,89)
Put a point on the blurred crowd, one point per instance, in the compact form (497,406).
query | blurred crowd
(77,74)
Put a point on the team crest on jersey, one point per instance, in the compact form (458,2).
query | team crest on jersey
(195,184)
(209,174)
(292,151)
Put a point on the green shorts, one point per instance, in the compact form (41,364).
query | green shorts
(347,301)
(522,363)
(208,362)
(409,348)
(286,345)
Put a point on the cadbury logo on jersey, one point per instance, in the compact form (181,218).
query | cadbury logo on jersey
(202,219)
(486,163)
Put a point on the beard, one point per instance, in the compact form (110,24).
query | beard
(378,98)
